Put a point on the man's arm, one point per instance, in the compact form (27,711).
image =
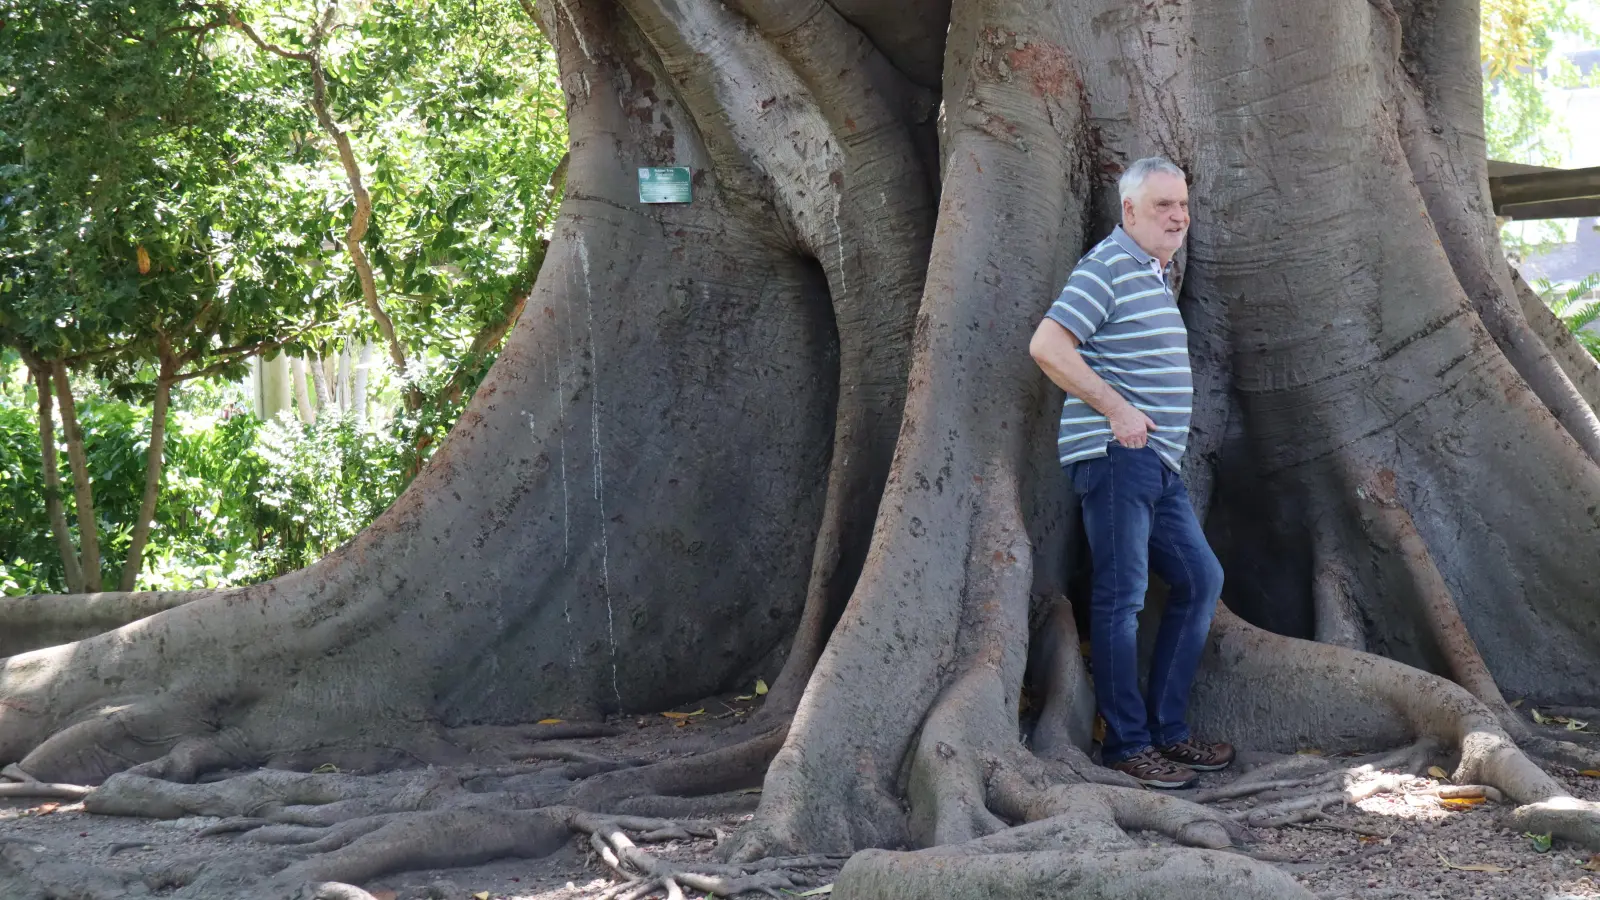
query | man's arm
(1055,349)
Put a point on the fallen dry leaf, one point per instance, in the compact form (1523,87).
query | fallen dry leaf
(481,895)
(761,687)
(383,894)
(1309,751)
(1471,867)
(1438,773)
(1460,802)
(1539,717)
(1590,773)
(825,889)
(45,809)
(745,697)
(1593,865)
(683,715)
(550,721)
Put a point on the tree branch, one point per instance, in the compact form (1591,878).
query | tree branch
(487,339)
(250,32)
(243,352)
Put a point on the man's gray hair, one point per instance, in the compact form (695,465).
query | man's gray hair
(1133,179)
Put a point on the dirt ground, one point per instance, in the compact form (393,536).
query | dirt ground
(1404,846)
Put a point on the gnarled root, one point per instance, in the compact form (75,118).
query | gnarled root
(641,871)
(1092,819)
(23,785)
(45,620)
(678,786)
(1392,525)
(1116,875)
(1292,693)
(351,829)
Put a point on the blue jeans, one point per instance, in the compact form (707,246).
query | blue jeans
(1137,515)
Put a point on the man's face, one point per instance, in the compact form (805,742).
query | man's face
(1157,217)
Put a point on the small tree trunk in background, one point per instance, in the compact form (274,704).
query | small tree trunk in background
(302,395)
(319,382)
(52,482)
(272,385)
(358,396)
(88,534)
(343,383)
(152,479)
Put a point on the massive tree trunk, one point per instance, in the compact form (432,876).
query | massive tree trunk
(794,422)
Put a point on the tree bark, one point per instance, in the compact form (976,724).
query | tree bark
(83,490)
(302,395)
(154,460)
(319,382)
(73,571)
(33,623)
(343,382)
(1577,362)
(358,395)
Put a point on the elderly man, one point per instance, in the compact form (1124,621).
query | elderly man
(1114,341)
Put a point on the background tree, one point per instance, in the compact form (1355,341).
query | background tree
(180,224)
(1519,67)
(140,222)
(1400,478)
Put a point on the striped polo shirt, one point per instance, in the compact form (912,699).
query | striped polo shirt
(1118,304)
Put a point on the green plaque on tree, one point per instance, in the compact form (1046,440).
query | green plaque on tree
(669,184)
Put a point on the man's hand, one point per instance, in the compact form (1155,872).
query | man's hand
(1055,349)
(1131,427)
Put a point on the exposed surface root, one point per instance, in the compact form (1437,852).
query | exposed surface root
(45,620)
(644,872)
(1118,875)
(1367,698)
(1300,809)
(493,737)
(42,791)
(1392,525)
(1408,760)
(347,830)
(731,768)
(328,890)
(1066,722)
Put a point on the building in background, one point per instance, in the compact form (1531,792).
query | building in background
(1578,110)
